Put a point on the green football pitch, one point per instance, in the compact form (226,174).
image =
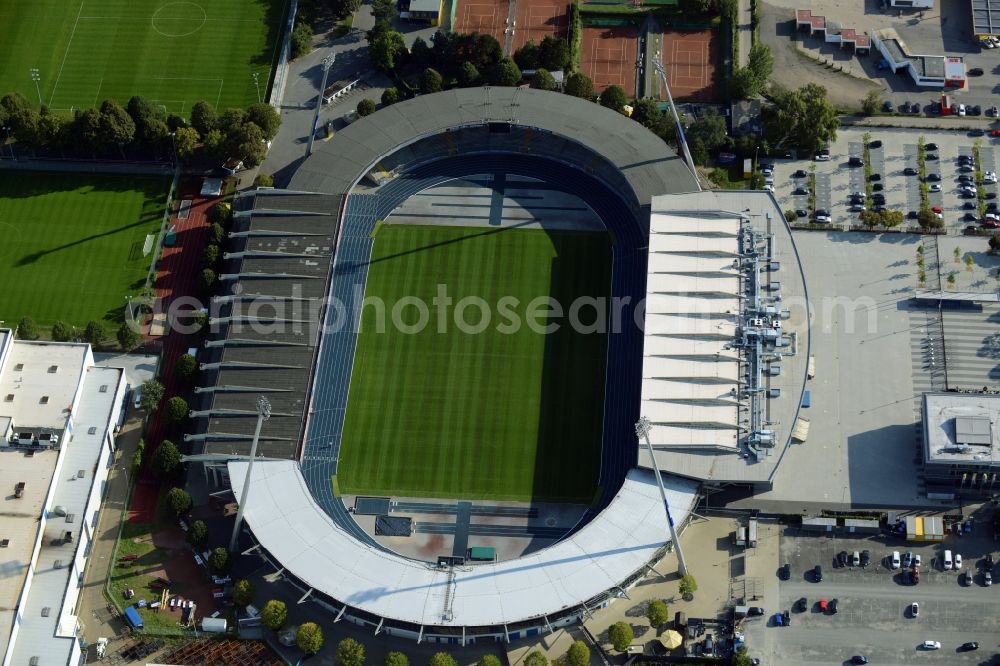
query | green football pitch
(72,245)
(174,53)
(509,413)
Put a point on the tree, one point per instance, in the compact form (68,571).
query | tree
(951,279)
(87,128)
(27,329)
(350,653)
(63,332)
(179,501)
(166,461)
(217,232)
(206,279)
(613,98)
(620,634)
(274,614)
(957,253)
(505,73)
(646,113)
(969,262)
(94,333)
(579,85)
(442,659)
(709,128)
(489,660)
(116,126)
(231,120)
(579,654)
(871,104)
(396,659)
(384,10)
(220,213)
(244,592)
(309,637)
(804,118)
(186,141)
(176,410)
(430,81)
(266,118)
(176,122)
(301,39)
(468,75)
(742,658)
(384,49)
(694,8)
(994,243)
(366,107)
(218,561)
(553,54)
(927,219)
(262,180)
(420,53)
(185,367)
(152,393)
(247,144)
(528,56)
(536,658)
(389,97)
(688,585)
(215,144)
(658,613)
(204,118)
(760,64)
(543,80)
(197,534)
(128,337)
(210,255)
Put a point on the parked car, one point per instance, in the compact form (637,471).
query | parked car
(887,106)
(818,574)
(801,173)
(932,177)
(975,71)
(876,143)
(968,647)
(931,645)
(907,559)
(914,609)
(961,110)
(822,606)
(930,157)
(801,212)
(987,578)
(965,178)
(855,559)
(935,187)
(855,161)
(842,558)
(877,187)
(975,110)
(910,171)
(874,177)
(822,156)
(785,572)
(995,132)
(779,620)
(989,177)
(958,562)
(857,208)
(755,611)
(977,132)
(799,191)
(966,168)
(859,659)
(866,558)
(989,562)
(894,559)
(823,215)
(930,146)
(832,606)
(802,604)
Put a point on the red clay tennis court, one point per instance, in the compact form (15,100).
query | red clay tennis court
(609,57)
(483,16)
(690,59)
(537,19)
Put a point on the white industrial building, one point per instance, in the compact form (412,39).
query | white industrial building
(58,412)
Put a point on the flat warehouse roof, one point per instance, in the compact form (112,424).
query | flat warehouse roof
(986,17)
(294,529)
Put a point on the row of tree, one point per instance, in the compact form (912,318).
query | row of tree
(142,128)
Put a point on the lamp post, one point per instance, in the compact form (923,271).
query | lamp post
(173,144)
(9,144)
(327,63)
(256,82)
(642,431)
(263,414)
(36,77)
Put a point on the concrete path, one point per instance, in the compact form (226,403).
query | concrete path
(91,607)
(744,25)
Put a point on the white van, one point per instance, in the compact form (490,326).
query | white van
(947,562)
(895,559)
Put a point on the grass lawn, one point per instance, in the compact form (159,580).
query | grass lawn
(489,415)
(175,52)
(72,244)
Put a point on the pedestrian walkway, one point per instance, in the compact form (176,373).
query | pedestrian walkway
(92,606)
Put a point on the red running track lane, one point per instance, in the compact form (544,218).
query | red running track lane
(176,277)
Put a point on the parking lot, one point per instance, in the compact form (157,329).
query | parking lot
(836,180)
(873,616)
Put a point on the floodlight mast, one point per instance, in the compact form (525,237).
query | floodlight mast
(642,431)
(263,414)
(326,63)
(36,77)
(681,141)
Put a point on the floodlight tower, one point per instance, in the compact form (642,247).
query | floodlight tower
(256,82)
(642,431)
(36,77)
(263,414)
(327,63)
(681,141)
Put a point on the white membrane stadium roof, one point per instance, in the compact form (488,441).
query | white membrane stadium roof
(692,303)
(288,523)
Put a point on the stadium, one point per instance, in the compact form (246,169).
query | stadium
(380,415)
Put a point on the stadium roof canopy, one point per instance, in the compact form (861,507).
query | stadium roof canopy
(690,373)
(289,524)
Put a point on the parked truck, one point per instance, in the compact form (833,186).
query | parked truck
(752,533)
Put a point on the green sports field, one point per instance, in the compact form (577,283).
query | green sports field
(490,415)
(175,52)
(71,245)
